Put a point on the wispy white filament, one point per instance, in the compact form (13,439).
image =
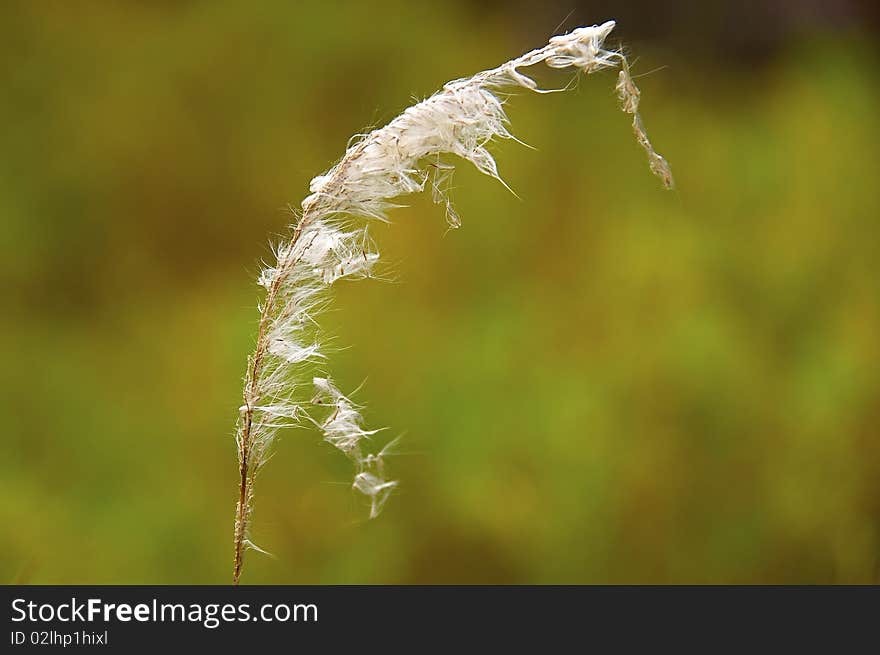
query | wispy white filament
(330,243)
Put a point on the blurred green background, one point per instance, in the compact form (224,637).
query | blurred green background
(600,383)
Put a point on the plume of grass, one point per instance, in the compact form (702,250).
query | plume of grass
(329,242)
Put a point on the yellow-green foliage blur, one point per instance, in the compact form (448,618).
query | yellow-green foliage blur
(602,382)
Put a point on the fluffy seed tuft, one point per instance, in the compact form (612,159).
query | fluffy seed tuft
(330,242)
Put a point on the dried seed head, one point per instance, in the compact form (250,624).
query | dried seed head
(414,151)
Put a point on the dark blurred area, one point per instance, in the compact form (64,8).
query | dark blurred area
(599,383)
(725,34)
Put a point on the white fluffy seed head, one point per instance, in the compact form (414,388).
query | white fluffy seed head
(407,155)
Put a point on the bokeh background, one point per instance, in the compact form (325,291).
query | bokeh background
(602,382)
